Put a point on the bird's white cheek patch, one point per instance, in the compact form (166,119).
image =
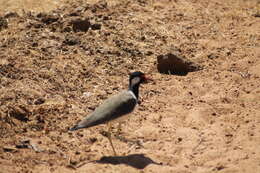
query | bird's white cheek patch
(135,80)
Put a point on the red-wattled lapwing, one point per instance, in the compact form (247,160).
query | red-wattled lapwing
(116,106)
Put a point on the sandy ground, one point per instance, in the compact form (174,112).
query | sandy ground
(54,72)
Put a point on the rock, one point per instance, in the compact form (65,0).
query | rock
(39,101)
(256,14)
(27,143)
(10,71)
(92,140)
(175,64)
(71,40)
(9,149)
(96,26)
(48,18)
(35,148)
(80,9)
(73,162)
(77,11)
(22,145)
(105,18)
(66,28)
(20,113)
(100,5)
(213,56)
(35,24)
(48,43)
(10,14)
(80,25)
(3,23)
(86,94)
(149,53)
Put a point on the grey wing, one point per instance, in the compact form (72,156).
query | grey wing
(116,110)
(114,107)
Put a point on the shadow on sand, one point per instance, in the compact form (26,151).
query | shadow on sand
(138,161)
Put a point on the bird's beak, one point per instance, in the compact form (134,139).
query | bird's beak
(147,79)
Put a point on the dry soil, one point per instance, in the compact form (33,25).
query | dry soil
(59,60)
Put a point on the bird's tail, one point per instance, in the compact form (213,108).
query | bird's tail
(76,127)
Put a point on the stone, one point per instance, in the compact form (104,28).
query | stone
(80,25)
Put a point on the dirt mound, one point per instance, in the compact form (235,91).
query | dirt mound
(57,65)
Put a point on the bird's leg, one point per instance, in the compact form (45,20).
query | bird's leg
(118,136)
(119,129)
(124,139)
(109,138)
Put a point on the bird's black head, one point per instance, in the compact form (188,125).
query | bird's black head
(136,78)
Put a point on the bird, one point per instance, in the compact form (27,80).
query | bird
(115,107)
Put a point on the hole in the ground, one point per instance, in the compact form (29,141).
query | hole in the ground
(175,65)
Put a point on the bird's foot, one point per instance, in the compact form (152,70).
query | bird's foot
(121,138)
(130,142)
(105,133)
